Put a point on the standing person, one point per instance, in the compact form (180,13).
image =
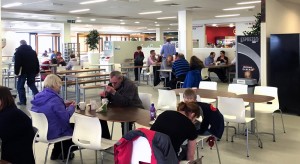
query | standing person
(138,57)
(16,131)
(27,67)
(209,61)
(179,68)
(165,75)
(178,125)
(58,114)
(166,50)
(121,92)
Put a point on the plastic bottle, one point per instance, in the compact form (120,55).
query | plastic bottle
(152,112)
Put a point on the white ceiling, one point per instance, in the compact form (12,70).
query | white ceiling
(33,14)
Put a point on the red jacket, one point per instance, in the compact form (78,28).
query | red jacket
(161,146)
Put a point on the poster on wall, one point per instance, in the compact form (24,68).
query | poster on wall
(248,57)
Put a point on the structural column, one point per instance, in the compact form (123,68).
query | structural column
(185,27)
(67,33)
(1,35)
(159,34)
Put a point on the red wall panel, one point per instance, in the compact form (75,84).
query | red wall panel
(213,32)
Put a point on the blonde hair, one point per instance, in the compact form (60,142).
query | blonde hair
(52,81)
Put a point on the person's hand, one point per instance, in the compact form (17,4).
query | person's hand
(102,94)
(68,103)
(110,89)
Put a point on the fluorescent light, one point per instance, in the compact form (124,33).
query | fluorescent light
(150,12)
(12,5)
(121,20)
(78,20)
(77,11)
(161,0)
(157,25)
(137,22)
(231,25)
(215,25)
(167,17)
(230,15)
(173,24)
(93,20)
(122,23)
(89,2)
(239,8)
(249,2)
(155,22)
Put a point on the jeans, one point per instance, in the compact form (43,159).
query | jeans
(31,84)
(136,72)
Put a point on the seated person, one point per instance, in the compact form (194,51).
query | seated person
(209,61)
(222,58)
(58,114)
(73,61)
(53,55)
(60,59)
(193,77)
(168,65)
(151,59)
(178,125)
(212,121)
(121,92)
(16,131)
(45,54)
(179,68)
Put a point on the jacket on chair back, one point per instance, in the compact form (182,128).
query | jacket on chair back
(192,79)
(161,146)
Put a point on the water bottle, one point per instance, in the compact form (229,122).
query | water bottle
(152,112)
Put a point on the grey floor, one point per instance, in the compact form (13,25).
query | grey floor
(286,149)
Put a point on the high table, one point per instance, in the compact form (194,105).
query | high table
(168,71)
(120,114)
(139,70)
(104,65)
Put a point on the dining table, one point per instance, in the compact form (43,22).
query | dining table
(120,114)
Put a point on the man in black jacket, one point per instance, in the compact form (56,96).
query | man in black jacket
(27,67)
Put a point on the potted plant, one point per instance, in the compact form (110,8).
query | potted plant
(93,40)
(255,29)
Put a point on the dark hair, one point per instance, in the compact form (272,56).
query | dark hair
(196,63)
(211,53)
(223,52)
(152,51)
(139,47)
(7,100)
(190,107)
(72,56)
(169,40)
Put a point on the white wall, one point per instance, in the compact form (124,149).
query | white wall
(202,53)
(240,27)
(12,42)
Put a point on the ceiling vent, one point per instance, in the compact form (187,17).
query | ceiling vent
(171,4)
(194,7)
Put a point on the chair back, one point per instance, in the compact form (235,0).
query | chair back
(76,67)
(146,100)
(87,132)
(141,151)
(181,99)
(210,85)
(268,91)
(151,70)
(117,67)
(204,73)
(39,121)
(233,109)
(61,68)
(238,89)
(86,65)
(167,99)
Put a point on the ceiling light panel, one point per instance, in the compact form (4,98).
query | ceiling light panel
(150,12)
(161,0)
(167,17)
(89,2)
(12,5)
(239,8)
(77,11)
(248,2)
(229,15)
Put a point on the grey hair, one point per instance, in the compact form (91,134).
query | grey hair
(117,74)
(181,56)
(23,42)
(52,81)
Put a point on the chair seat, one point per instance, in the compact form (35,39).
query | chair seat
(107,143)
(201,137)
(228,118)
(57,139)
(264,108)
(206,100)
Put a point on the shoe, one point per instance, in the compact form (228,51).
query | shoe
(21,103)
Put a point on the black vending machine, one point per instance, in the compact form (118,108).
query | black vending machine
(284,70)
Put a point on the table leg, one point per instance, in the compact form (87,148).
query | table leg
(76,90)
(170,76)
(252,114)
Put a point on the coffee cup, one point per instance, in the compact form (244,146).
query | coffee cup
(81,105)
(88,107)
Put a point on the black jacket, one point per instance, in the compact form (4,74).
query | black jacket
(26,58)
(213,117)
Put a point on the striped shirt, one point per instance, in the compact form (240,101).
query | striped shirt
(180,67)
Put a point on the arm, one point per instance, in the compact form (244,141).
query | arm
(162,50)
(191,149)
(207,62)
(36,60)
(62,113)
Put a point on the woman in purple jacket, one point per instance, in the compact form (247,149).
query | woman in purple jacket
(58,114)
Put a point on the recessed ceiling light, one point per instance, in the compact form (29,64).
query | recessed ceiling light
(77,17)
(173,24)
(231,25)
(157,25)
(166,17)
(89,2)
(150,12)
(93,20)
(121,20)
(122,23)
(239,8)
(12,5)
(137,22)
(150,29)
(230,15)
(161,0)
(215,25)
(249,2)
(77,11)
(78,20)
(155,22)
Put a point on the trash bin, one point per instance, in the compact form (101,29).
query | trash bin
(246,81)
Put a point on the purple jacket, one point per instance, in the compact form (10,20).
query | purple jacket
(53,106)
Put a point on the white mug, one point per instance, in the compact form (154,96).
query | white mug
(104,101)
(88,107)
(94,104)
(81,105)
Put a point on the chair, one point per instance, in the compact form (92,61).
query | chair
(117,67)
(141,151)
(201,138)
(61,68)
(89,125)
(86,65)
(167,100)
(146,100)
(76,67)
(204,73)
(210,85)
(269,107)
(238,89)
(40,121)
(149,74)
(233,110)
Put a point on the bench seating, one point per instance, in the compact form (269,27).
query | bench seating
(83,88)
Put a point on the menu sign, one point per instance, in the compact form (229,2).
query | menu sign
(248,57)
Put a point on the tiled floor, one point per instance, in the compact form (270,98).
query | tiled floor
(286,149)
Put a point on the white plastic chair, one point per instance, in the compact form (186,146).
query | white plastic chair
(201,138)
(146,100)
(167,100)
(204,73)
(87,134)
(149,74)
(269,107)
(233,110)
(210,85)
(238,89)
(141,151)
(117,67)
(86,65)
(40,121)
